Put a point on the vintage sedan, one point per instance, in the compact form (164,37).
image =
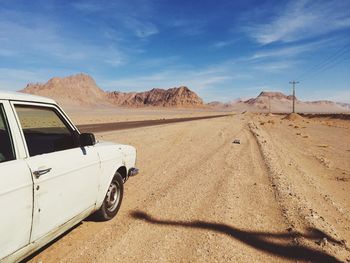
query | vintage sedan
(51,175)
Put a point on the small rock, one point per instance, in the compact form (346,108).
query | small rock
(296,241)
(237,141)
(323,242)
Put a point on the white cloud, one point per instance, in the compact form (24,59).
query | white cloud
(283,52)
(302,19)
(17,79)
(290,51)
(188,27)
(41,39)
(275,67)
(141,29)
(222,44)
(196,79)
(87,6)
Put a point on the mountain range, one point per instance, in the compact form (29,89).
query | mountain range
(82,90)
(268,101)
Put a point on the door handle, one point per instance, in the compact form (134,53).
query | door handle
(41,172)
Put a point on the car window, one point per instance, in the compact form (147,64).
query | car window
(6,146)
(44,130)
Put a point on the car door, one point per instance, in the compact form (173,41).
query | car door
(65,175)
(16,186)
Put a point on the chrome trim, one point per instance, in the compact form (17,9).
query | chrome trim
(133,171)
(39,173)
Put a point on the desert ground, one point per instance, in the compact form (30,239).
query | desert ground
(280,195)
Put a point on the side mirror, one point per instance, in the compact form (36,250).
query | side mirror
(87,139)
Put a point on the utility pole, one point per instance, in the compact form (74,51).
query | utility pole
(293,83)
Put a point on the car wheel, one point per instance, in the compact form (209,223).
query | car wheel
(113,199)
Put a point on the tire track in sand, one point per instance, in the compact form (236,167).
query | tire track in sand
(296,208)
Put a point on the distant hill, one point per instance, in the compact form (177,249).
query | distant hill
(279,102)
(265,96)
(81,90)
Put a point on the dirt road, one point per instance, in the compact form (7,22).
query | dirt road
(201,198)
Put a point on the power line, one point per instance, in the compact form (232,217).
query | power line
(340,58)
(329,62)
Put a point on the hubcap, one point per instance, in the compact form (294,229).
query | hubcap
(113,195)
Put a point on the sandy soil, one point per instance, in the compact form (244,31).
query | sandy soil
(280,195)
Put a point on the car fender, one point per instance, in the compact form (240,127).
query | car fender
(112,157)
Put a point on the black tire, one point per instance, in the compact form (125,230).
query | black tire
(113,199)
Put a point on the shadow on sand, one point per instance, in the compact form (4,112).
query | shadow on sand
(258,240)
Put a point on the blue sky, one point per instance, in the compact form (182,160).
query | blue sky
(220,49)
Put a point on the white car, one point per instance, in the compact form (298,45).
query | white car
(51,175)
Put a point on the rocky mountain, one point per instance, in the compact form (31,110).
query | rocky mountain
(265,96)
(78,89)
(174,97)
(81,89)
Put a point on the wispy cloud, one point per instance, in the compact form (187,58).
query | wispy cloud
(290,51)
(222,44)
(17,79)
(302,19)
(188,27)
(141,29)
(275,67)
(164,79)
(122,15)
(42,39)
(197,79)
(87,6)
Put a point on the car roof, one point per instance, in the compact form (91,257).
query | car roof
(19,96)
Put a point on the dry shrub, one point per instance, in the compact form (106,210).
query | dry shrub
(296,127)
(306,136)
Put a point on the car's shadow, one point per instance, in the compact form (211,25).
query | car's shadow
(272,243)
